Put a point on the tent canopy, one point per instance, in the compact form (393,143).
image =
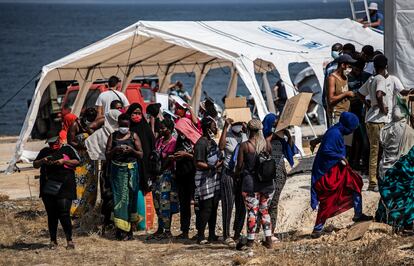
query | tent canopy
(164,48)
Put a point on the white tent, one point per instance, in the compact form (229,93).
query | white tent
(399,39)
(165,48)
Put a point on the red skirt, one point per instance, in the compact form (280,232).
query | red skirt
(335,191)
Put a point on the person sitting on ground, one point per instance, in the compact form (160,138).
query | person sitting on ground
(177,89)
(376,18)
(122,151)
(207,183)
(57,186)
(256,193)
(336,188)
(164,189)
(107,97)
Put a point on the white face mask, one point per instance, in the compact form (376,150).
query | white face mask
(347,71)
(124,130)
(335,54)
(237,129)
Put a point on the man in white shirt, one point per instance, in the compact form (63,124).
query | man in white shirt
(381,91)
(105,98)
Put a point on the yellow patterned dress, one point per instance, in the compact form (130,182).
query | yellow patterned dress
(86,182)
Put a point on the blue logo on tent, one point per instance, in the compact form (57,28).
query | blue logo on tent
(288,36)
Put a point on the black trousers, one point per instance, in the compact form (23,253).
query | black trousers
(207,214)
(58,209)
(227,201)
(106,193)
(240,215)
(185,189)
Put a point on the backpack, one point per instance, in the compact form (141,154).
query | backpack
(266,167)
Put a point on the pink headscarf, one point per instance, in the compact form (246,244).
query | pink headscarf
(186,127)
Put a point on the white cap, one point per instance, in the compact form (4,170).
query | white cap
(373,6)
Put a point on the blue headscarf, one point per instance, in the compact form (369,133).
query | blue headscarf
(288,151)
(332,149)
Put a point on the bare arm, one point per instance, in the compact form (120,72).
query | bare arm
(72,141)
(70,163)
(335,99)
(38,163)
(222,141)
(109,151)
(138,147)
(380,95)
(99,110)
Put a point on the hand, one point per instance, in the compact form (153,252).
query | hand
(228,122)
(127,149)
(385,110)
(350,94)
(219,164)
(179,155)
(58,162)
(45,161)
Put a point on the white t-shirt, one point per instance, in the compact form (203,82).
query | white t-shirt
(389,86)
(105,99)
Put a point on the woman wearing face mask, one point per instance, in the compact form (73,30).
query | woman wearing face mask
(123,149)
(207,183)
(140,126)
(164,187)
(57,186)
(338,92)
(231,137)
(85,174)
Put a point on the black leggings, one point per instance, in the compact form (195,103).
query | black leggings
(58,210)
(207,213)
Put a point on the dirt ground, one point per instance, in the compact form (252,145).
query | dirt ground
(24,235)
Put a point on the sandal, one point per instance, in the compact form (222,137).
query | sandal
(53,245)
(70,245)
(202,241)
(275,239)
(230,242)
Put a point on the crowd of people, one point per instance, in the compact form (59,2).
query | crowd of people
(180,160)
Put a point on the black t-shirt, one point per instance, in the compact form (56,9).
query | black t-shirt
(206,150)
(185,168)
(59,173)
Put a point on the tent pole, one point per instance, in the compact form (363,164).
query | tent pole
(269,96)
(83,91)
(232,87)
(198,87)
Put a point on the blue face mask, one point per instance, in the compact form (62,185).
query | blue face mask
(335,54)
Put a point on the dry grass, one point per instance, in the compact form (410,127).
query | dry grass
(24,239)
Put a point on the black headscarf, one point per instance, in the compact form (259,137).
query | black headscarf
(144,132)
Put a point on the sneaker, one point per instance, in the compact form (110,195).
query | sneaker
(362,218)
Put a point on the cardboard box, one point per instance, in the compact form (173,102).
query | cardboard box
(238,114)
(237,102)
(294,111)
